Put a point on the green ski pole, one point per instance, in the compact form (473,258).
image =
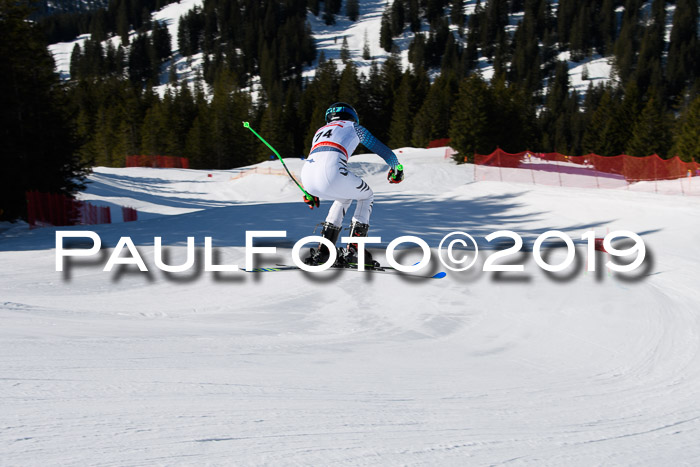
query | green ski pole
(312,199)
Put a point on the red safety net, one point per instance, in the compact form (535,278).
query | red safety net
(58,209)
(129,214)
(168,162)
(438,143)
(590,171)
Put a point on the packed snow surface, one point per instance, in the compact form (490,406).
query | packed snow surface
(234,368)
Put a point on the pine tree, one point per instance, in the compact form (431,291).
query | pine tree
(334,5)
(686,144)
(434,9)
(184,113)
(366,55)
(345,51)
(293,122)
(493,23)
(414,16)
(111,64)
(417,52)
(649,69)
(525,65)
(140,64)
(106,137)
(682,67)
(315,7)
(554,119)
(160,37)
(580,34)
(199,142)
(433,119)
(450,57)
(374,108)
(471,51)
(457,14)
(349,87)
(390,76)
(39,145)
(608,26)
(91,62)
(98,25)
(469,127)
(155,131)
(628,106)
(75,61)
(397,18)
(328,15)
(352,9)
(402,115)
(385,39)
(272,125)
(594,138)
(122,22)
(322,92)
(625,50)
(509,116)
(650,134)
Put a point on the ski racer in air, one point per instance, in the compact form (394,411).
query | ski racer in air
(326,175)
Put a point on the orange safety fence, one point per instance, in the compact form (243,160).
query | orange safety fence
(262,171)
(167,162)
(651,173)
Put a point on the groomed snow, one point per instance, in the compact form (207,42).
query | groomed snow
(286,368)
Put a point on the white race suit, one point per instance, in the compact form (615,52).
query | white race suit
(325,173)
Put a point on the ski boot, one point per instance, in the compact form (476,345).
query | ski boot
(321,254)
(358,229)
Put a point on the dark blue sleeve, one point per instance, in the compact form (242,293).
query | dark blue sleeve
(376,146)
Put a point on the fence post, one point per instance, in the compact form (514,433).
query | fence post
(500,165)
(656,176)
(558,169)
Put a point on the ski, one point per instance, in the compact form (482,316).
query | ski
(380,269)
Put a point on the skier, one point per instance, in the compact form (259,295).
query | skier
(325,174)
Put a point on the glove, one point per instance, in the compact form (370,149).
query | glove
(314,201)
(395,175)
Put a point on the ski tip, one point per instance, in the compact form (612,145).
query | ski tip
(440,275)
(262,270)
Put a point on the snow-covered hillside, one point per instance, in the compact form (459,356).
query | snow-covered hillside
(193,368)
(329,40)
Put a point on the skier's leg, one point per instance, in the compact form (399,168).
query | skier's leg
(360,222)
(358,229)
(321,254)
(318,176)
(364,208)
(336,213)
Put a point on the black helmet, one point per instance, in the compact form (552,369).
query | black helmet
(341,111)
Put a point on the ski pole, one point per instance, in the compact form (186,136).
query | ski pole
(312,199)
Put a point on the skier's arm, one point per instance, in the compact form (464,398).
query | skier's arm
(376,146)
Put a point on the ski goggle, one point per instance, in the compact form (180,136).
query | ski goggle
(338,110)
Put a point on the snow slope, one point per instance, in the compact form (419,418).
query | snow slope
(570,368)
(329,40)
